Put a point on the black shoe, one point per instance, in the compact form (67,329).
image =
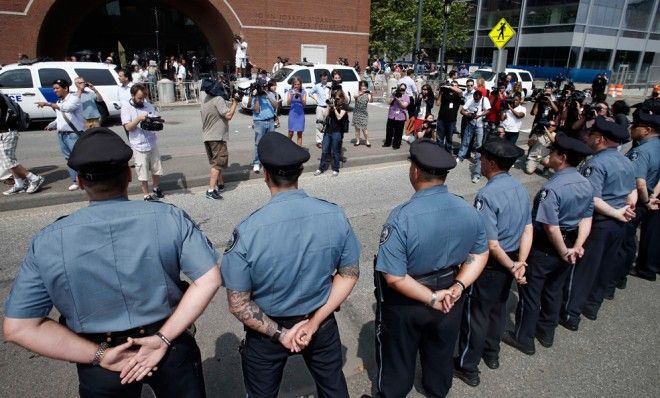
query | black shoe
(510,339)
(590,314)
(544,340)
(492,363)
(609,295)
(622,283)
(570,323)
(220,188)
(214,195)
(649,276)
(386,146)
(158,193)
(395,147)
(469,378)
(150,198)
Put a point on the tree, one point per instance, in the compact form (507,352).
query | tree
(394,24)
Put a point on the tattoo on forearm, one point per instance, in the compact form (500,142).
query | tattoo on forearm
(352,271)
(248,312)
(470,259)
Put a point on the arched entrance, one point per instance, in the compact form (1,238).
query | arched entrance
(184,26)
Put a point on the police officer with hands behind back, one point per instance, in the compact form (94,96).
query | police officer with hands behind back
(112,270)
(287,269)
(504,207)
(561,216)
(431,249)
(612,179)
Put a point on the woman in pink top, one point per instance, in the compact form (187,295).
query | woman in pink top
(396,117)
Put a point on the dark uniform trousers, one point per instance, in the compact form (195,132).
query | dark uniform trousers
(541,298)
(484,316)
(179,375)
(628,249)
(648,258)
(403,327)
(591,275)
(263,361)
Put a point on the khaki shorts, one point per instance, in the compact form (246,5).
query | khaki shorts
(217,153)
(91,123)
(146,162)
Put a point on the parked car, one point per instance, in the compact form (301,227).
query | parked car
(521,75)
(30,82)
(309,75)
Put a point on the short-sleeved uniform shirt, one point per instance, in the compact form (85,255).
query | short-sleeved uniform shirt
(433,230)
(140,139)
(565,199)
(287,252)
(112,266)
(611,175)
(214,125)
(646,161)
(504,207)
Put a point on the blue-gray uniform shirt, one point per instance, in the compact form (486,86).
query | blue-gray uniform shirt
(565,199)
(611,175)
(287,252)
(646,161)
(433,230)
(504,207)
(112,266)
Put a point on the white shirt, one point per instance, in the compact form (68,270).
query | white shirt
(477,107)
(72,107)
(124,92)
(241,50)
(276,66)
(512,123)
(140,140)
(181,72)
(410,85)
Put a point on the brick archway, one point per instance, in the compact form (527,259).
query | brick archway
(62,18)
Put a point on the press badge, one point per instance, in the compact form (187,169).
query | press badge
(451,105)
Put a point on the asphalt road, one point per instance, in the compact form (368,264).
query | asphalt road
(616,356)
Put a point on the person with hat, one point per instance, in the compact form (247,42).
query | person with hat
(646,164)
(285,288)
(112,270)
(612,178)
(503,205)
(218,109)
(561,217)
(432,248)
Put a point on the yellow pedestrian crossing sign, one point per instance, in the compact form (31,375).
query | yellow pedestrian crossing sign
(501,33)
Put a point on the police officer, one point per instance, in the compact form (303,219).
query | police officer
(288,267)
(612,179)
(432,248)
(112,270)
(504,207)
(561,216)
(646,162)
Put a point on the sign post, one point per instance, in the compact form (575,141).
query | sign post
(501,33)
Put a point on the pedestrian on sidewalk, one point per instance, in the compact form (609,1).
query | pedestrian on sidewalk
(297,98)
(361,113)
(263,117)
(396,117)
(474,110)
(320,92)
(336,126)
(89,98)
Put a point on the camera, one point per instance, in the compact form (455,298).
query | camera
(152,123)
(330,102)
(87,84)
(429,125)
(258,86)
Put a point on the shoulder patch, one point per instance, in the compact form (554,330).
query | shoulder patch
(543,194)
(478,204)
(385,235)
(633,155)
(587,171)
(232,241)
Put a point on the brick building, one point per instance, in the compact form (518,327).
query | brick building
(289,28)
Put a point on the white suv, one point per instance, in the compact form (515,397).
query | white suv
(32,82)
(309,75)
(519,75)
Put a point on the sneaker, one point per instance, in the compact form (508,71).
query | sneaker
(458,161)
(318,172)
(256,168)
(220,188)
(13,190)
(214,195)
(475,179)
(158,193)
(73,187)
(35,185)
(150,198)
(335,173)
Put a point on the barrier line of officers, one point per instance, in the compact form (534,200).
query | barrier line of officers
(442,275)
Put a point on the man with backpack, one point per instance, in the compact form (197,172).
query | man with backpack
(13,120)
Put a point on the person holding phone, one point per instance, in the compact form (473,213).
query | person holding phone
(89,97)
(297,97)
(361,113)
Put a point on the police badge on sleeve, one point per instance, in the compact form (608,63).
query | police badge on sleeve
(543,195)
(385,235)
(633,156)
(232,241)
(478,204)
(587,171)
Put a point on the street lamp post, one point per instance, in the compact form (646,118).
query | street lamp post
(419,33)
(441,55)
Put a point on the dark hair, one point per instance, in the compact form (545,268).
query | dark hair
(271,83)
(128,75)
(138,87)
(283,181)
(116,183)
(335,72)
(572,158)
(62,83)
(452,73)
(362,83)
(324,74)
(501,163)
(469,81)
(620,107)
(409,72)
(428,177)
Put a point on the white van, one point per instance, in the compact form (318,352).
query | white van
(519,75)
(309,75)
(31,82)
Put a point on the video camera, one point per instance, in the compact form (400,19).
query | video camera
(152,123)
(259,86)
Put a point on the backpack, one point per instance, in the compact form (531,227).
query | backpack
(16,118)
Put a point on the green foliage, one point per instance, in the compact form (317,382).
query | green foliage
(394,24)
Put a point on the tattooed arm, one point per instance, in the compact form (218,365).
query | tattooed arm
(342,285)
(248,312)
(470,271)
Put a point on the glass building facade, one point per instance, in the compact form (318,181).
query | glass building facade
(595,34)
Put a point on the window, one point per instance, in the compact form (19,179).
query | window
(317,74)
(17,78)
(347,75)
(606,13)
(638,14)
(281,74)
(526,77)
(550,12)
(487,75)
(48,75)
(98,77)
(303,75)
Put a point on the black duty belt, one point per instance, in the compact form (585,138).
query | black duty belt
(440,279)
(542,241)
(118,338)
(494,264)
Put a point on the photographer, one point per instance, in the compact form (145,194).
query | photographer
(449,101)
(274,96)
(320,92)
(218,109)
(497,99)
(143,141)
(512,118)
(396,117)
(88,100)
(297,99)
(420,107)
(263,116)
(571,110)
(337,125)
(598,86)
(361,113)
(426,130)
(587,115)
(542,136)
(545,107)
(241,55)
(474,110)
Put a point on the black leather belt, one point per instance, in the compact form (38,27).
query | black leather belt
(118,338)
(441,273)
(322,106)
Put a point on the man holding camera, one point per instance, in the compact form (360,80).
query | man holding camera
(474,110)
(320,92)
(512,116)
(545,107)
(542,136)
(263,116)
(449,101)
(143,141)
(88,100)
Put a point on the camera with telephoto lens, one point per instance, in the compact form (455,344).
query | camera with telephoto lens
(429,125)
(259,86)
(152,123)
(330,102)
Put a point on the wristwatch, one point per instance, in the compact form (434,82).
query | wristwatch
(434,299)
(99,354)
(275,338)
